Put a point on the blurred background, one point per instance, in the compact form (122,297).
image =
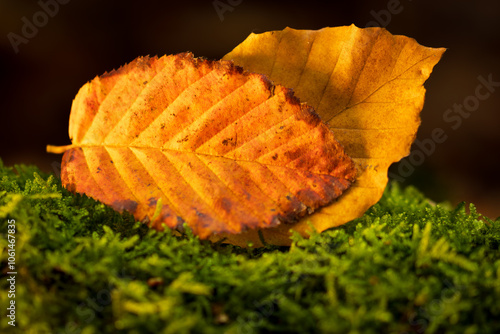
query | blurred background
(41,70)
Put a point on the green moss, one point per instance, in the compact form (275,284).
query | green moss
(406,266)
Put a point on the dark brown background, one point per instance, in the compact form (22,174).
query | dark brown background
(88,37)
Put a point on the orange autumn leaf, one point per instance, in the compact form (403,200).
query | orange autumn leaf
(366,84)
(177,140)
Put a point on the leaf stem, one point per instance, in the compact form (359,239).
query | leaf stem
(58,149)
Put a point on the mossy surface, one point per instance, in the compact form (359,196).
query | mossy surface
(407,266)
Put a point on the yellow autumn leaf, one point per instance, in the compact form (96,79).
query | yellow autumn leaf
(366,84)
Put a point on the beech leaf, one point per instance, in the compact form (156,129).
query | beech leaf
(366,84)
(178,139)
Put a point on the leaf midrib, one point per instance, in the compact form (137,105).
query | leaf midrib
(201,154)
